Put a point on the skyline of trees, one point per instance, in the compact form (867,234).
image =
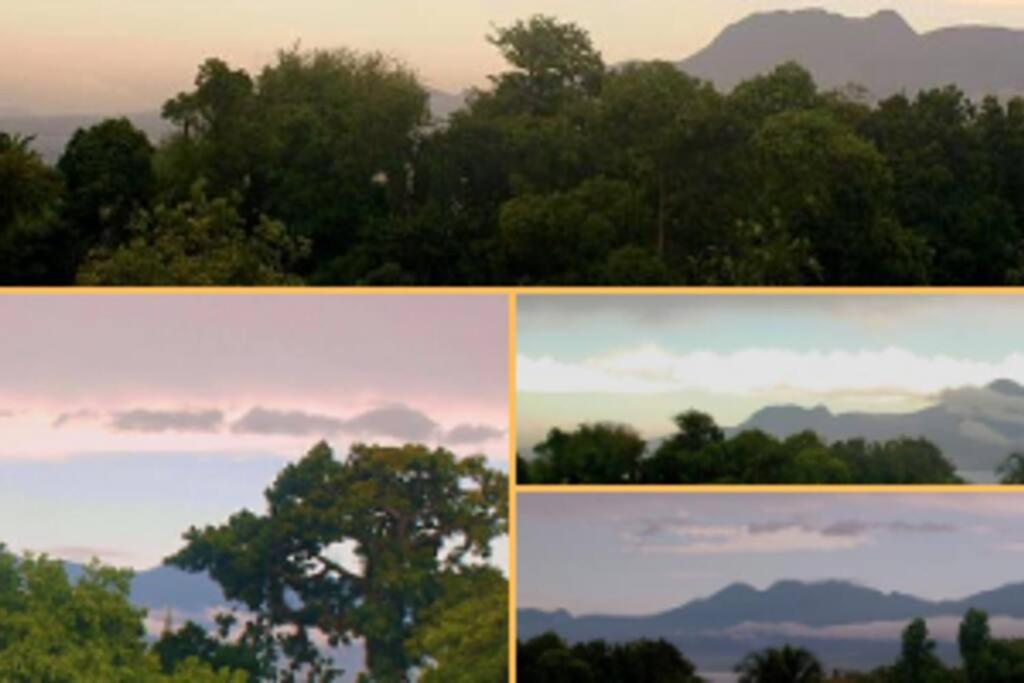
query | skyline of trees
(699,452)
(564,170)
(548,658)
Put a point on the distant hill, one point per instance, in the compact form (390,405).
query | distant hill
(717,631)
(162,588)
(197,597)
(881,52)
(976,428)
(52,133)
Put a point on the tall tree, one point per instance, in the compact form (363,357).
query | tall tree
(108,174)
(358,548)
(30,195)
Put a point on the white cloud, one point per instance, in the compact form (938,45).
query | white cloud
(650,369)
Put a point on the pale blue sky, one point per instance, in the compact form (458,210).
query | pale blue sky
(642,360)
(126,55)
(643,553)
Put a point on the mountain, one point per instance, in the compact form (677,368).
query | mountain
(881,52)
(163,588)
(976,427)
(847,625)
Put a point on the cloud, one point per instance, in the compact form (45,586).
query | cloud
(155,421)
(267,421)
(650,369)
(74,416)
(859,528)
(687,537)
(396,421)
(472,434)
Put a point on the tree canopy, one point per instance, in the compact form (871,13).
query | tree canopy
(563,170)
(700,453)
(365,547)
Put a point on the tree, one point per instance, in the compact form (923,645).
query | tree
(593,454)
(918,662)
(198,242)
(108,174)
(831,187)
(192,642)
(553,64)
(975,641)
(464,636)
(30,193)
(358,548)
(780,665)
(321,140)
(53,630)
(1011,470)
(568,236)
(652,117)
(547,659)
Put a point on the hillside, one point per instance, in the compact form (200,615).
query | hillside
(976,428)
(845,624)
(881,52)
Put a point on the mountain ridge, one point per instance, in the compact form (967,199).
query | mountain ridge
(881,52)
(716,630)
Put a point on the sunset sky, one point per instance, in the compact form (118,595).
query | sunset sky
(125,419)
(643,360)
(118,56)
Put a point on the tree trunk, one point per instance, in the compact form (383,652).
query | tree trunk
(661,215)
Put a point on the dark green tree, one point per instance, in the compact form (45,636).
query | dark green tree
(408,516)
(593,454)
(30,230)
(108,175)
(780,665)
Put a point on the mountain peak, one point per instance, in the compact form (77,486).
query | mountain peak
(1006,387)
(890,19)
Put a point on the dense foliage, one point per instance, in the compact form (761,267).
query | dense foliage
(385,547)
(367,548)
(53,630)
(326,167)
(984,659)
(700,453)
(548,659)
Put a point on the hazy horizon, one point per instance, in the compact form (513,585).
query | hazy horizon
(643,553)
(67,57)
(642,361)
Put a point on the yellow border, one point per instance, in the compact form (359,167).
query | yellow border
(523,291)
(513,489)
(716,489)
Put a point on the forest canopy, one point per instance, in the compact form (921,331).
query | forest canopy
(326,167)
(700,452)
(984,658)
